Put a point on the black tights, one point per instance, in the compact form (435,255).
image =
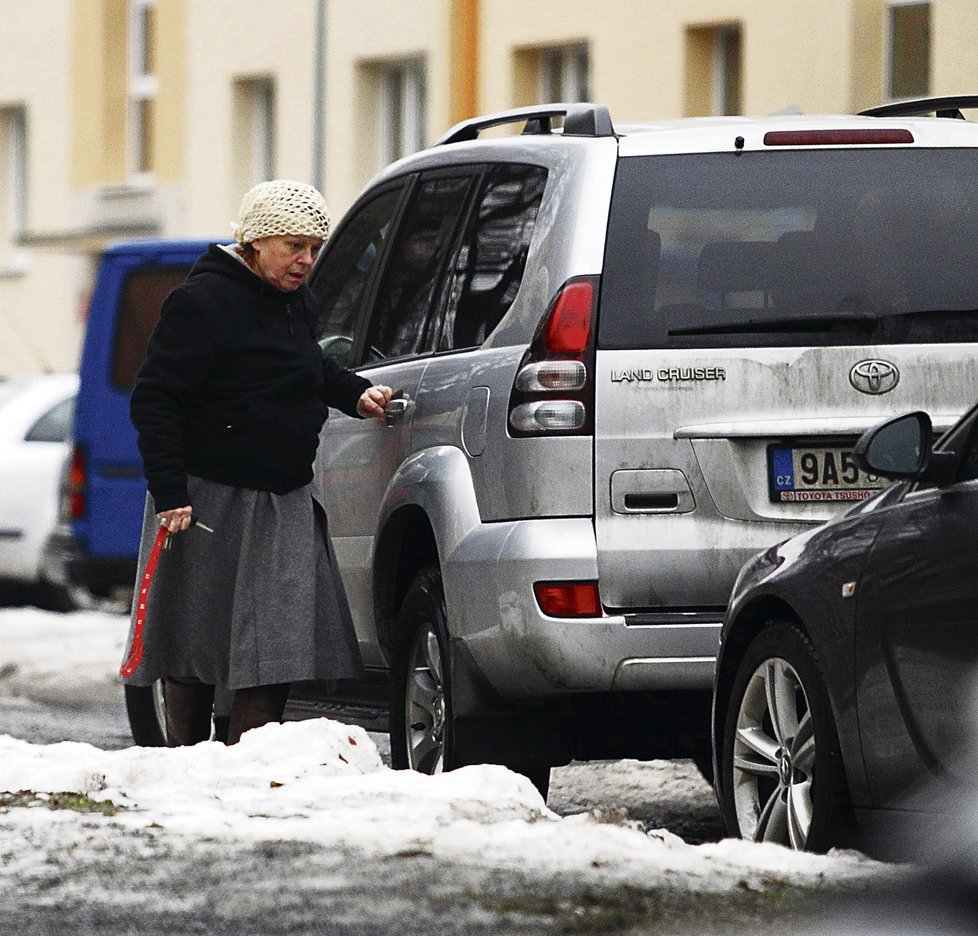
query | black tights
(189,705)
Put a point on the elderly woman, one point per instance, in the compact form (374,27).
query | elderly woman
(228,407)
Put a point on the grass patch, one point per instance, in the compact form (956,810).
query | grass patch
(626,909)
(76,802)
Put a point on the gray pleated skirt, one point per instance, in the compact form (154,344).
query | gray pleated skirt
(259,601)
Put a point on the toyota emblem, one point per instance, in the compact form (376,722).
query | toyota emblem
(874,376)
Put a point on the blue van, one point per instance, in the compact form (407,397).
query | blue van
(97,541)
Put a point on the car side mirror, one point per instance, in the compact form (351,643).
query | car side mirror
(338,347)
(901,448)
(897,448)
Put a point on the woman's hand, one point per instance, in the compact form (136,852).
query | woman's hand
(373,400)
(177,519)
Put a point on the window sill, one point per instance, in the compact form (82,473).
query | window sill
(136,187)
(15,265)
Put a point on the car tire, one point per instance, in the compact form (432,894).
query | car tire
(538,776)
(421,707)
(702,758)
(783,778)
(58,598)
(421,724)
(146,709)
(147,714)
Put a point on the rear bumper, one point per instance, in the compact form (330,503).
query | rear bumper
(524,654)
(64,563)
(19,556)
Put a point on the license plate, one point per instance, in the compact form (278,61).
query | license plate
(808,474)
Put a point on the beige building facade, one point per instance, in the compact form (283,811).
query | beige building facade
(131,118)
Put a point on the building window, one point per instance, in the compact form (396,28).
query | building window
(403,101)
(714,70)
(143,86)
(254,130)
(13,181)
(908,38)
(565,74)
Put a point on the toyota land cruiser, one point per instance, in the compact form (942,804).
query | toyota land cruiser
(626,360)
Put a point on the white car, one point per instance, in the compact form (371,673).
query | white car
(36,417)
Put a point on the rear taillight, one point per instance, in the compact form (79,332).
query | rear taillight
(568,599)
(77,476)
(553,393)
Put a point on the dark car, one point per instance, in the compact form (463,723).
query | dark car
(846,673)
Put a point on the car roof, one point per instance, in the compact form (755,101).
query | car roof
(142,246)
(720,134)
(462,143)
(545,150)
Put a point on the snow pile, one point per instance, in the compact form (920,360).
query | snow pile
(61,657)
(322,782)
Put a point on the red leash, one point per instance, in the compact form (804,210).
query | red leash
(136,648)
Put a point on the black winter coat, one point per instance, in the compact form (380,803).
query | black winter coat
(234,388)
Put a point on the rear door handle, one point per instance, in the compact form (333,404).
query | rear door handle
(650,491)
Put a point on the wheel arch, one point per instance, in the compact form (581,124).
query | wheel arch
(740,633)
(750,621)
(429,508)
(405,546)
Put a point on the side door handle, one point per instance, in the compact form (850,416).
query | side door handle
(397,408)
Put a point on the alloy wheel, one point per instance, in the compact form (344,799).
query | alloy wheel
(424,703)
(774,757)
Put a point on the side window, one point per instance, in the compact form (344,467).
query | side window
(963,440)
(142,298)
(405,303)
(487,268)
(55,425)
(341,280)
(968,469)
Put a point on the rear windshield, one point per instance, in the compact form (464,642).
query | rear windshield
(814,247)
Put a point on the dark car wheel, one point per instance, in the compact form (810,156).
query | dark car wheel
(783,779)
(146,711)
(146,708)
(421,722)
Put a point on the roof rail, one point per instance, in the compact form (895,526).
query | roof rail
(941,106)
(591,120)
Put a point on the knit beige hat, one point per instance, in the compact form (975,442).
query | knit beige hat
(281,207)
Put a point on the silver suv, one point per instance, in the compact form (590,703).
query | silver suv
(625,361)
